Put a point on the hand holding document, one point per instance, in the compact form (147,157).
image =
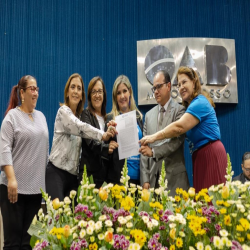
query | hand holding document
(127,137)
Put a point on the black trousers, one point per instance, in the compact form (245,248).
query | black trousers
(59,182)
(17,218)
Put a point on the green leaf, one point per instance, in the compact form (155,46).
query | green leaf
(33,240)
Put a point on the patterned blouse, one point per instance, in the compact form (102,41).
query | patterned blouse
(66,145)
(25,146)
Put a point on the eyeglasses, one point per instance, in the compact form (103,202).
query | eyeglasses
(247,169)
(95,92)
(33,89)
(158,86)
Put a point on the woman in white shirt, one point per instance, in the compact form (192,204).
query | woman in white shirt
(61,173)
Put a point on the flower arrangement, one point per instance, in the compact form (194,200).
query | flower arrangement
(128,218)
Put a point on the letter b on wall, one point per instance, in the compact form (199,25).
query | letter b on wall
(218,73)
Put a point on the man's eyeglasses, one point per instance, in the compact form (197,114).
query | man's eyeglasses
(158,86)
(95,92)
(247,169)
(33,89)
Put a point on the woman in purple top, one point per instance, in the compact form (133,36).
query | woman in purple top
(202,131)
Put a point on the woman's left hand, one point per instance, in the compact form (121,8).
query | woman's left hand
(147,139)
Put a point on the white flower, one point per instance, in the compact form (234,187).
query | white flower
(102,217)
(100,236)
(67,209)
(122,220)
(129,224)
(119,229)
(96,191)
(172,225)
(108,223)
(150,225)
(72,194)
(200,246)
(110,229)
(171,218)
(132,185)
(134,246)
(91,186)
(67,200)
(217,242)
(90,230)
(91,223)
(151,190)
(182,234)
(98,225)
(82,223)
(191,248)
(207,247)
(82,233)
(129,217)
(40,212)
(139,187)
(223,232)
(75,236)
(155,222)
(145,219)
(245,247)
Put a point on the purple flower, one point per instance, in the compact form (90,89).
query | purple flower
(217,227)
(162,227)
(57,217)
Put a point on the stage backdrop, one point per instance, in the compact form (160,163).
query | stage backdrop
(51,39)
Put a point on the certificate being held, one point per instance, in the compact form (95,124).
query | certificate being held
(127,137)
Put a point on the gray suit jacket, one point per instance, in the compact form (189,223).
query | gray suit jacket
(171,151)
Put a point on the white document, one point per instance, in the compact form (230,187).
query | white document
(127,137)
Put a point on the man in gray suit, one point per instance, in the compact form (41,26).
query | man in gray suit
(171,150)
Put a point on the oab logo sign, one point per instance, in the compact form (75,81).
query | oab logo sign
(213,59)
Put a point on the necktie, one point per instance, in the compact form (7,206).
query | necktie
(161,118)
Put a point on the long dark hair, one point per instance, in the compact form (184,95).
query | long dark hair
(15,96)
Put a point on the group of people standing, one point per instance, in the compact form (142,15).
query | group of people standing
(79,135)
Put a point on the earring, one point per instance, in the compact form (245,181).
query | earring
(22,101)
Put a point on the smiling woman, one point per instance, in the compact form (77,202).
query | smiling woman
(95,154)
(61,173)
(202,132)
(24,154)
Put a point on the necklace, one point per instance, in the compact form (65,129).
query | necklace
(29,114)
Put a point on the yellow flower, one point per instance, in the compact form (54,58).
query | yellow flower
(108,236)
(199,210)
(139,237)
(103,194)
(223,211)
(127,203)
(240,239)
(145,195)
(225,192)
(177,198)
(93,246)
(178,210)
(227,220)
(172,247)
(179,242)
(239,228)
(245,224)
(66,232)
(156,217)
(248,236)
(56,203)
(172,233)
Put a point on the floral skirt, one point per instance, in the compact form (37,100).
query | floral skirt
(209,165)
